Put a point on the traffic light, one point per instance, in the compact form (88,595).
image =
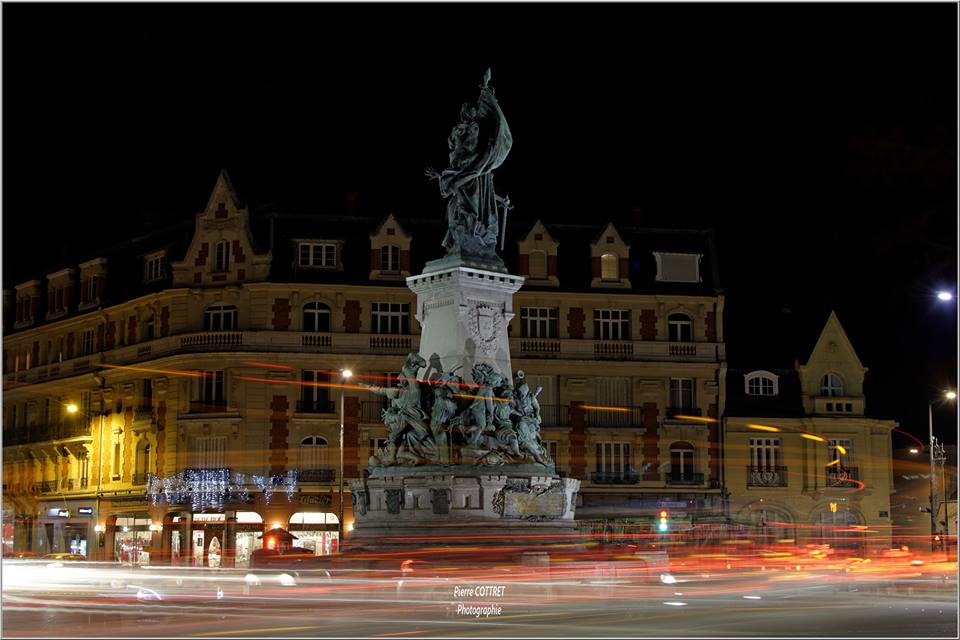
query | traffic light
(663,521)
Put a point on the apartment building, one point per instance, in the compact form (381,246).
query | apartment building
(171,398)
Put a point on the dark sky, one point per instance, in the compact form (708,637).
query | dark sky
(818,140)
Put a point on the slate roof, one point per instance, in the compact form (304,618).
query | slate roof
(786,404)
(274,224)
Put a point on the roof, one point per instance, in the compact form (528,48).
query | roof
(786,404)
(274,225)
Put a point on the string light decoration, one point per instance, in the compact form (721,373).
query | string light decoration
(210,489)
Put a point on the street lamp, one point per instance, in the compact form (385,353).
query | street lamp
(937,453)
(71,408)
(345,374)
(946,296)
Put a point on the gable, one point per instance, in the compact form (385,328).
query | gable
(221,250)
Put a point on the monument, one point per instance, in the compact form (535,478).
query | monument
(463,455)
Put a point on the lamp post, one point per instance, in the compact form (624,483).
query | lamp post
(345,374)
(936,453)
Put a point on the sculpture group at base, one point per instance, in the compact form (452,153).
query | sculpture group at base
(444,420)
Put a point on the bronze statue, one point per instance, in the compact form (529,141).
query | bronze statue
(478,144)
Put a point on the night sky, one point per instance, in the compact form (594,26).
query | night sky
(818,140)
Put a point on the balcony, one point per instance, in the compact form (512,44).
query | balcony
(320,476)
(614,417)
(47,433)
(241,341)
(627,476)
(48,486)
(843,477)
(554,415)
(684,479)
(208,406)
(583,349)
(673,412)
(316,406)
(766,476)
(372,410)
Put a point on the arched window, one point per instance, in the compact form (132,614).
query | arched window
(313,459)
(390,258)
(609,267)
(760,383)
(837,529)
(681,463)
(680,327)
(316,317)
(538,264)
(831,385)
(771,525)
(222,256)
(220,317)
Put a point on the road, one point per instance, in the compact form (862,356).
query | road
(777,604)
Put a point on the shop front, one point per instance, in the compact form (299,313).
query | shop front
(317,531)
(66,527)
(207,536)
(9,521)
(249,537)
(133,538)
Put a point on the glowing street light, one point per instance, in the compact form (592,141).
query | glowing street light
(71,408)
(946,296)
(346,374)
(936,449)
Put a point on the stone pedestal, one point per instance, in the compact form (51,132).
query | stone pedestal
(462,506)
(464,312)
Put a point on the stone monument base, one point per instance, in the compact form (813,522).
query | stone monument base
(447,508)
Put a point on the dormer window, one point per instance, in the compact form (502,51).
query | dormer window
(609,267)
(831,385)
(318,254)
(678,267)
(538,264)
(221,261)
(154,268)
(390,258)
(92,288)
(761,383)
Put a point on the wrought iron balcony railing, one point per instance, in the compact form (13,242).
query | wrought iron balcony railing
(208,406)
(555,415)
(48,486)
(689,479)
(614,417)
(316,406)
(627,476)
(766,476)
(673,412)
(843,477)
(317,475)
